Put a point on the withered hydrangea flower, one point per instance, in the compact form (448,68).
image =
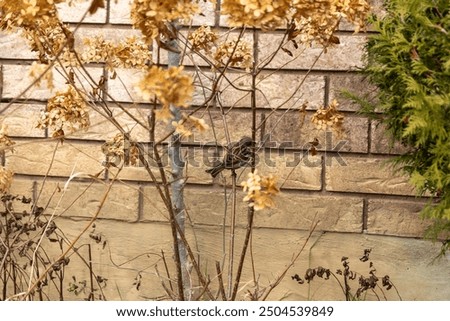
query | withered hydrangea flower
(314,20)
(117,148)
(131,53)
(66,111)
(170,86)
(24,13)
(330,117)
(185,126)
(234,53)
(265,14)
(203,39)
(153,17)
(260,191)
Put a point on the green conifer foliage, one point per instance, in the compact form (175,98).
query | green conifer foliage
(408,59)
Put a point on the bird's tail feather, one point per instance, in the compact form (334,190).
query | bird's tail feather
(215,170)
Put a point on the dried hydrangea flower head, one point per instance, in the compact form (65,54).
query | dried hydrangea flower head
(187,124)
(329,117)
(153,17)
(66,113)
(120,149)
(260,191)
(265,14)
(234,53)
(314,20)
(170,86)
(131,53)
(203,38)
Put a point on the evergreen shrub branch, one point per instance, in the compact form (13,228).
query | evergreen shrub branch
(408,59)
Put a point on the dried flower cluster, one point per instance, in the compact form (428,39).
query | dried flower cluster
(6,177)
(185,126)
(330,117)
(131,53)
(234,53)
(355,11)
(65,111)
(5,141)
(266,14)
(24,13)
(314,20)
(119,148)
(51,39)
(153,17)
(203,38)
(41,26)
(260,191)
(170,86)
(39,72)
(115,146)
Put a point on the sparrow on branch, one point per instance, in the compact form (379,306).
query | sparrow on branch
(237,155)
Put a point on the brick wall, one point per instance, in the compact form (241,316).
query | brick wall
(349,186)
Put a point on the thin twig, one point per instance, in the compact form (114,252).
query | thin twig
(70,247)
(219,276)
(278,280)
(232,235)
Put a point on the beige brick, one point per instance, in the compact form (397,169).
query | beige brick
(194,171)
(295,130)
(76,11)
(345,56)
(396,218)
(21,119)
(381,142)
(206,15)
(274,91)
(106,32)
(82,199)
(35,158)
(124,88)
(297,211)
(21,186)
(16,79)
(101,128)
(120,13)
(14,46)
(292,170)
(292,210)
(355,84)
(366,175)
(236,124)
(403,259)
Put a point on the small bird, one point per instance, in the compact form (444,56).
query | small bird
(238,155)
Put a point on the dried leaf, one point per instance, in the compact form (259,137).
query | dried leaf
(335,40)
(287,51)
(95,5)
